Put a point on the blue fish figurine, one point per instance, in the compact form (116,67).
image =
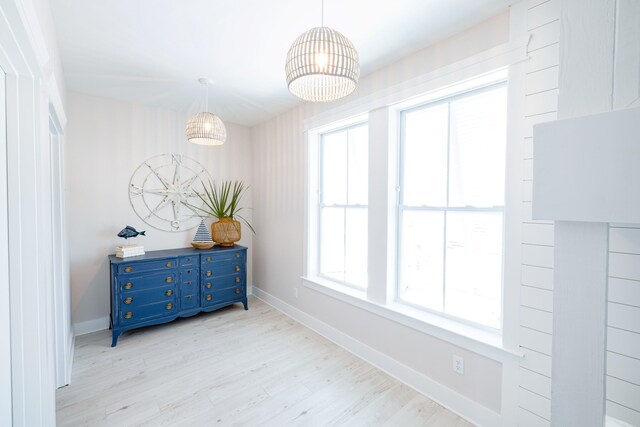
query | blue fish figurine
(129,231)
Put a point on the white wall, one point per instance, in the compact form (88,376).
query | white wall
(279,198)
(106,141)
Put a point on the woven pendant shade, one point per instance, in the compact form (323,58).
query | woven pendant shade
(322,65)
(206,129)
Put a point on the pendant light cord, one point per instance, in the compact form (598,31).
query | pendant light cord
(206,88)
(322,14)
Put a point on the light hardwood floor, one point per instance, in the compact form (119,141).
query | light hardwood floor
(234,368)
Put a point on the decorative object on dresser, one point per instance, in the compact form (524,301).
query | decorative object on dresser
(202,239)
(162,191)
(223,202)
(161,286)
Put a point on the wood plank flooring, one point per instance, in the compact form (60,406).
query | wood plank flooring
(234,368)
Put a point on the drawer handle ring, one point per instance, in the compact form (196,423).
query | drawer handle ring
(128,315)
(128,300)
(208,273)
(128,285)
(237,280)
(237,268)
(168,306)
(169,264)
(169,279)
(169,293)
(238,255)
(209,258)
(208,286)
(128,269)
(237,290)
(208,297)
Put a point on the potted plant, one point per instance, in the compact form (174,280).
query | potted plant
(223,202)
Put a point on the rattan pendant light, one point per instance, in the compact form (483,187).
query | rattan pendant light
(322,65)
(206,128)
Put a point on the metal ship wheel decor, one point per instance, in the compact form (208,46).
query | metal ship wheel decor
(162,191)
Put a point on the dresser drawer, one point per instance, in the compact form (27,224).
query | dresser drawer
(131,299)
(152,280)
(145,312)
(189,274)
(189,301)
(222,282)
(221,257)
(216,297)
(188,287)
(143,266)
(188,261)
(221,269)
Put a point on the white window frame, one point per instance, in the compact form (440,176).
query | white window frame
(401,207)
(320,205)
(313,185)
(383,111)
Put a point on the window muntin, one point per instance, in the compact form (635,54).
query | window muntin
(342,207)
(451,209)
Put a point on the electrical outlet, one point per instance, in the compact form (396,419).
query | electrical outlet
(458,365)
(295,292)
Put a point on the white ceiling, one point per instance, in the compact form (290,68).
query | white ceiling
(153,51)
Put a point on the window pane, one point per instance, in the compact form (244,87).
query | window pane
(358,165)
(425,157)
(356,247)
(478,149)
(421,264)
(334,168)
(474,266)
(332,242)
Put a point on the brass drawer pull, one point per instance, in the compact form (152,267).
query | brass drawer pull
(168,306)
(208,297)
(128,285)
(237,290)
(238,255)
(208,273)
(208,286)
(237,268)
(128,300)
(128,269)
(209,258)
(169,293)
(169,279)
(237,280)
(169,264)
(189,297)
(128,315)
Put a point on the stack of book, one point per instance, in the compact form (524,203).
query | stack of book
(126,251)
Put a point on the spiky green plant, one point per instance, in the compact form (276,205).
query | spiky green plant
(223,201)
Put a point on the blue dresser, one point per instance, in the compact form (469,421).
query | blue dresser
(161,286)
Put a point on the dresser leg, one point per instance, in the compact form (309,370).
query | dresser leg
(246,305)
(114,338)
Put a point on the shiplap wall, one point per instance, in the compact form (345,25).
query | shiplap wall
(536,290)
(623,333)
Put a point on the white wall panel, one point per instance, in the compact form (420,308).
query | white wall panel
(544,35)
(538,234)
(535,382)
(537,255)
(542,14)
(544,58)
(537,362)
(623,342)
(539,277)
(542,80)
(535,403)
(536,319)
(540,299)
(621,366)
(624,291)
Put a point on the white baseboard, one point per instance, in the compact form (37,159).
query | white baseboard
(450,399)
(70,354)
(100,324)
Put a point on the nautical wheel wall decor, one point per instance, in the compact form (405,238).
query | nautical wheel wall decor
(163,190)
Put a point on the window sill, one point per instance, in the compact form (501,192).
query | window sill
(483,342)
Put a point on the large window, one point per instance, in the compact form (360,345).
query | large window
(451,209)
(342,205)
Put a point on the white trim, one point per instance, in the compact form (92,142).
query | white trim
(485,343)
(492,59)
(95,325)
(450,399)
